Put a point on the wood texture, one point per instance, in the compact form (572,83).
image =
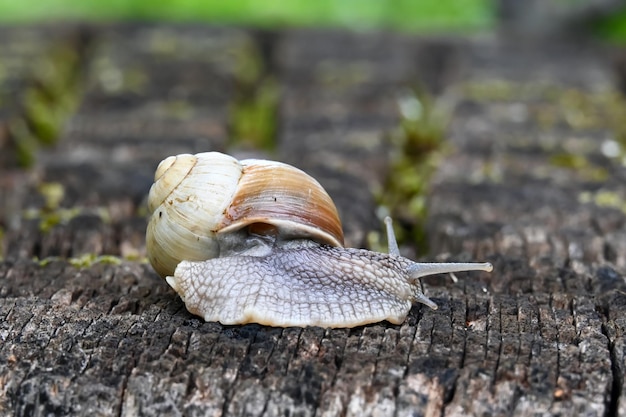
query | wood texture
(525,184)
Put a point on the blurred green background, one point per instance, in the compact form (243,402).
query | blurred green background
(405,15)
(398,14)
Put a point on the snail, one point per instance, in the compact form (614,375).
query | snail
(256,241)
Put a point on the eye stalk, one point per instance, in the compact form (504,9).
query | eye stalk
(418,270)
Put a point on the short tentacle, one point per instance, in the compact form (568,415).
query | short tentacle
(421,298)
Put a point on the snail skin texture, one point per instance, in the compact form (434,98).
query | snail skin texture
(264,272)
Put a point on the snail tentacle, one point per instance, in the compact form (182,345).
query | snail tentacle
(418,270)
(391,237)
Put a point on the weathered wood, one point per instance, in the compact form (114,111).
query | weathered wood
(548,349)
(543,334)
(40,67)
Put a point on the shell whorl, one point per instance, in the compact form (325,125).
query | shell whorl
(196,199)
(277,194)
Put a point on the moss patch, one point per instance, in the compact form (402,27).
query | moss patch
(589,115)
(553,106)
(84,261)
(253,112)
(604,198)
(418,145)
(50,96)
(48,219)
(581,165)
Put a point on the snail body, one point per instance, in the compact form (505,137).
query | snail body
(280,271)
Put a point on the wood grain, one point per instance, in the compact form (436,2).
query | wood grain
(541,335)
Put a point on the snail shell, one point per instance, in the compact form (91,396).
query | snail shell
(260,242)
(205,206)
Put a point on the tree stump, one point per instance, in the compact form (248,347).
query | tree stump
(532,181)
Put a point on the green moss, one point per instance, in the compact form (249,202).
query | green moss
(551,105)
(253,117)
(52,95)
(585,113)
(42,116)
(24,142)
(46,261)
(612,27)
(47,100)
(604,198)
(84,261)
(50,214)
(53,193)
(418,144)
(89,259)
(49,219)
(581,165)
(254,110)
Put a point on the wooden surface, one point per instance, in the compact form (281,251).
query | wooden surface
(528,182)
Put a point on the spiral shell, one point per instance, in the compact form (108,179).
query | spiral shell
(198,201)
